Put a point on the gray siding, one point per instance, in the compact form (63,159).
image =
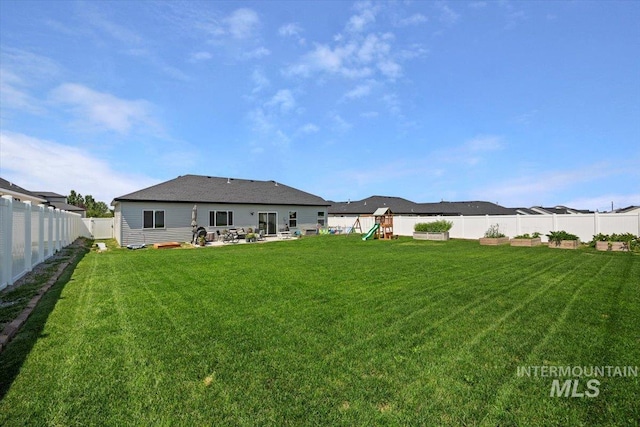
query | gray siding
(177,217)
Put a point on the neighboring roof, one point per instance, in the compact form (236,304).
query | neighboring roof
(400,206)
(465,208)
(67,207)
(11,189)
(49,194)
(526,211)
(627,209)
(366,206)
(207,189)
(560,210)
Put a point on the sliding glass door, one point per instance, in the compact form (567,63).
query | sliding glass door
(268,222)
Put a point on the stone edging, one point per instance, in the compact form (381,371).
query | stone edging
(12,328)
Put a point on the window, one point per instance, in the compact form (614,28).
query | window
(153,219)
(321,221)
(220,218)
(293,219)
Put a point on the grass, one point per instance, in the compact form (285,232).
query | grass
(327,330)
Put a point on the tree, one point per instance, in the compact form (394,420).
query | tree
(94,208)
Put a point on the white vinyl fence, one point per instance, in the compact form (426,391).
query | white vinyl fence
(97,228)
(31,234)
(585,226)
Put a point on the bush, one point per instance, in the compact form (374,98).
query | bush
(528,236)
(558,236)
(494,232)
(439,226)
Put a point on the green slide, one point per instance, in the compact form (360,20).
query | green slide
(370,233)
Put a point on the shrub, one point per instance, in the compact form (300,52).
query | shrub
(494,232)
(528,236)
(439,226)
(558,236)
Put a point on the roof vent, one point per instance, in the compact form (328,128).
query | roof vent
(276,183)
(228,180)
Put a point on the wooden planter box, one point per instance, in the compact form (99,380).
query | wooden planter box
(615,246)
(428,235)
(565,244)
(526,242)
(494,241)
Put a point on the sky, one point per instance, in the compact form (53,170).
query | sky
(514,102)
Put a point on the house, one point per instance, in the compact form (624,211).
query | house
(558,210)
(59,201)
(400,206)
(164,212)
(19,194)
(628,209)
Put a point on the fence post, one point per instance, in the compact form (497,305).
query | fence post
(6,230)
(40,233)
(596,223)
(50,227)
(27,237)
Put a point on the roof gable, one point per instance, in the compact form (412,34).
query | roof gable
(207,189)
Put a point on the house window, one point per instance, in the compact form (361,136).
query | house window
(220,218)
(153,219)
(293,219)
(321,220)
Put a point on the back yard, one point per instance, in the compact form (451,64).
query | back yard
(329,330)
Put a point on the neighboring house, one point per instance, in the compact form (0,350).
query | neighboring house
(628,209)
(558,210)
(400,206)
(59,201)
(367,206)
(163,212)
(20,194)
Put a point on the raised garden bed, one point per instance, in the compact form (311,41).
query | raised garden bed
(526,242)
(612,246)
(565,244)
(494,241)
(429,235)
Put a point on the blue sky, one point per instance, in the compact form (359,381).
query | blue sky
(520,103)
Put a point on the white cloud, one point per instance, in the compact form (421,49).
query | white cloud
(484,143)
(447,15)
(38,164)
(102,111)
(282,100)
(339,124)
(257,53)
(200,56)
(260,81)
(415,19)
(14,94)
(365,16)
(242,23)
(309,128)
(292,30)
(390,69)
(359,91)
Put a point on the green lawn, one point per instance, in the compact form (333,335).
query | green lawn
(328,330)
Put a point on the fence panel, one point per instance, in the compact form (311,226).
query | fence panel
(30,235)
(584,226)
(97,228)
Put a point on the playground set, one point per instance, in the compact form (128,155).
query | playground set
(382,228)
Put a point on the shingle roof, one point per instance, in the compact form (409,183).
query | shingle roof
(464,208)
(207,189)
(367,206)
(9,186)
(400,206)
